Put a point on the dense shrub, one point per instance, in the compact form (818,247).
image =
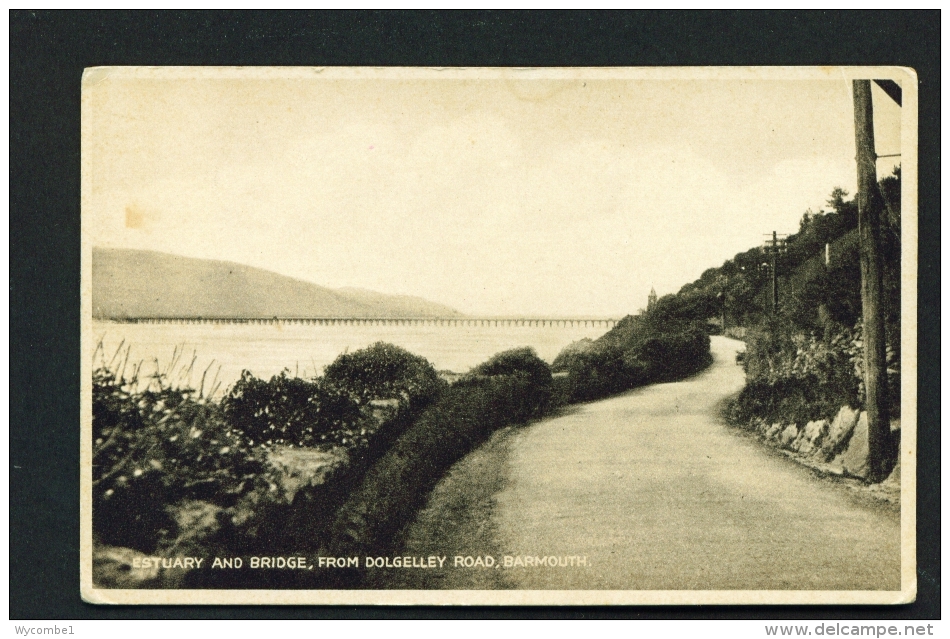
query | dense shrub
(291,410)
(384,372)
(570,353)
(598,372)
(515,362)
(671,355)
(519,362)
(156,447)
(793,376)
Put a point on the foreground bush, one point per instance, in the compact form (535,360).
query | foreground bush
(155,448)
(263,470)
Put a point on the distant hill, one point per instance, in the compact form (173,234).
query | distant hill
(130,283)
(399,305)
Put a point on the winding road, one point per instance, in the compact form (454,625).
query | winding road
(655,493)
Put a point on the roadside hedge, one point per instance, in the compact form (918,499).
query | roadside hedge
(511,388)
(634,353)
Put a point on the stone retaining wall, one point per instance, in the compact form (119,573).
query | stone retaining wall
(838,445)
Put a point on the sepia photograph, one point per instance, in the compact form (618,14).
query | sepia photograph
(499,336)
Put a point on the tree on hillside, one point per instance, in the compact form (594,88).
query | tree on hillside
(891,190)
(836,201)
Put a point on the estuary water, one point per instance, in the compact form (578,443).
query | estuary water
(224,350)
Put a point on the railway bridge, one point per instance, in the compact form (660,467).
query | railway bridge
(385,321)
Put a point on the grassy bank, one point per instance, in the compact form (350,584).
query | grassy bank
(455,521)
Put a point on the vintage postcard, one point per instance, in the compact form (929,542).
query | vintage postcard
(499,336)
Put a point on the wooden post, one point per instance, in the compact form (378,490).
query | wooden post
(870,206)
(774,272)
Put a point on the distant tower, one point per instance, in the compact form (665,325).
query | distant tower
(651,299)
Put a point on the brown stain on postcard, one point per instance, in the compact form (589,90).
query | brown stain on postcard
(134,217)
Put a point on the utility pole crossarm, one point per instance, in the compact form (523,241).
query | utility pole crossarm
(892,89)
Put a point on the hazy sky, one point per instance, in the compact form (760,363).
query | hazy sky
(498,197)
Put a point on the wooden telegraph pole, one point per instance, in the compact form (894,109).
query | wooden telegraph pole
(774,272)
(775,247)
(870,206)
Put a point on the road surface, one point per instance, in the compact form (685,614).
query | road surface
(653,491)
